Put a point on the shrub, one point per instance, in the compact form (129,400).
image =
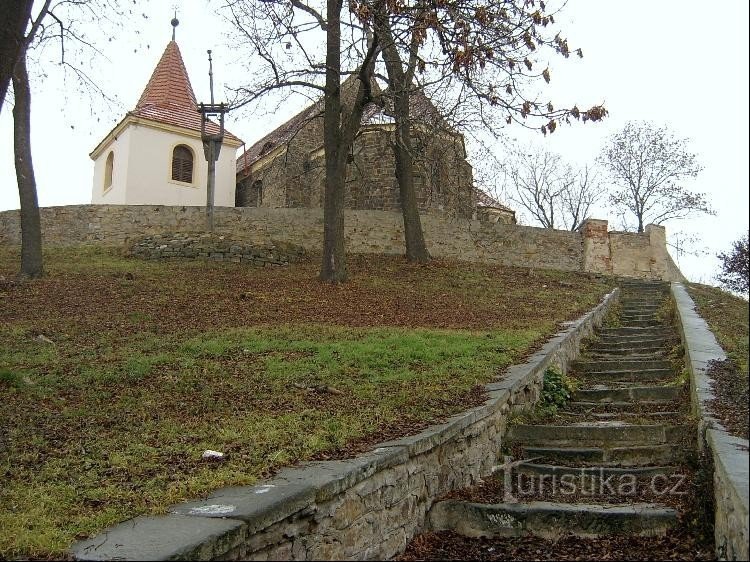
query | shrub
(556,389)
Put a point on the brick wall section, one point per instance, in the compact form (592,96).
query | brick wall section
(359,509)
(366,232)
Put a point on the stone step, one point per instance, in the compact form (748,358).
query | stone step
(631,342)
(640,304)
(640,308)
(629,408)
(530,467)
(639,331)
(631,394)
(653,323)
(643,292)
(579,413)
(645,346)
(635,455)
(594,434)
(628,378)
(583,366)
(550,520)
(626,319)
(642,281)
(629,354)
(635,290)
(647,300)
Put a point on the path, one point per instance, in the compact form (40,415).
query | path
(611,475)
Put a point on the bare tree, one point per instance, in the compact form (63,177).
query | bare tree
(550,190)
(14,18)
(485,55)
(583,190)
(54,21)
(539,179)
(481,55)
(286,37)
(647,163)
(31,231)
(32,265)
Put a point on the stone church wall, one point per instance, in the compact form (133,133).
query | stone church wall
(293,174)
(592,249)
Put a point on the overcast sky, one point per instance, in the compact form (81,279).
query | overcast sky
(679,63)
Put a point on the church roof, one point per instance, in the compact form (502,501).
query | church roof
(422,109)
(484,199)
(169,97)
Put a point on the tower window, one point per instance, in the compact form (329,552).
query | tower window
(108,167)
(182,164)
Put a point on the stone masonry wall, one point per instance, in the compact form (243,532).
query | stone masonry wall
(366,232)
(729,454)
(215,247)
(359,509)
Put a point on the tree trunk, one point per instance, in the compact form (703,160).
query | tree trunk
(400,85)
(14,17)
(31,232)
(333,267)
(416,249)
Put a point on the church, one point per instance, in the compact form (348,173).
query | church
(154,156)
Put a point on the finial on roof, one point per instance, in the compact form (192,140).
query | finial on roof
(175,22)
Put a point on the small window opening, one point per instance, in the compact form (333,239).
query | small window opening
(182,164)
(108,168)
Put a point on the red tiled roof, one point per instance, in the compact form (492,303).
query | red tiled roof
(169,98)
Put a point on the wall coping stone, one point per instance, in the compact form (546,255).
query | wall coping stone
(214,525)
(729,453)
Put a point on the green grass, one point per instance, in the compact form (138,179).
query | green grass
(124,436)
(727,316)
(152,363)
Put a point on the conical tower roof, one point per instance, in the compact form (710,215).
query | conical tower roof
(169,98)
(169,85)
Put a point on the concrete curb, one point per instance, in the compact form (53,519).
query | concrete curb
(729,454)
(228,522)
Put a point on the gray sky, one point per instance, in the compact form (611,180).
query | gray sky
(674,62)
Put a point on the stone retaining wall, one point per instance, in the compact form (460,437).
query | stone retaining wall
(363,508)
(592,249)
(215,247)
(729,453)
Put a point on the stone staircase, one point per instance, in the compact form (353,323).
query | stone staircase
(613,462)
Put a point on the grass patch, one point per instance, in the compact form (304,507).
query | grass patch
(727,316)
(144,365)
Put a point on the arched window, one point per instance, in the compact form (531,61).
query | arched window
(182,164)
(108,166)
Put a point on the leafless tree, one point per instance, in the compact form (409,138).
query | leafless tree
(483,56)
(583,191)
(550,190)
(310,47)
(647,163)
(58,22)
(14,18)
